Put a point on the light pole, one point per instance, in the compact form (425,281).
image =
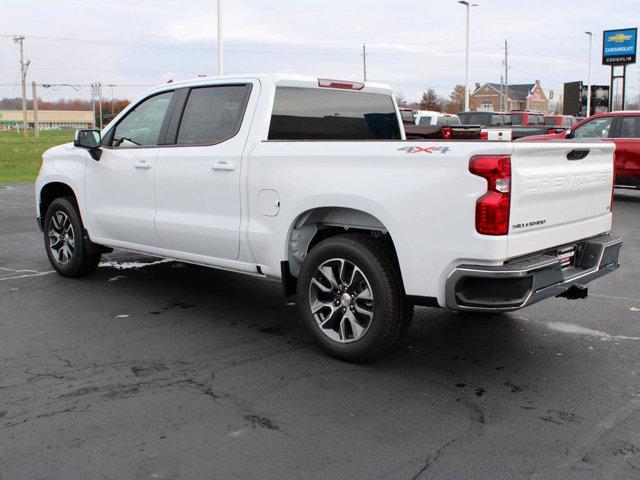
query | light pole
(590,34)
(220,52)
(466,71)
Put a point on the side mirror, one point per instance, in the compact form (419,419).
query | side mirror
(90,140)
(568,134)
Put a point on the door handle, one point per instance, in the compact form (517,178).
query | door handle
(142,165)
(223,166)
(577,154)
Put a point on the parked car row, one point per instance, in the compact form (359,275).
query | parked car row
(621,128)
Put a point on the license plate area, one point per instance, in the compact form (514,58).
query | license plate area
(567,256)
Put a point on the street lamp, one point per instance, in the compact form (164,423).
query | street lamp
(220,46)
(590,34)
(466,72)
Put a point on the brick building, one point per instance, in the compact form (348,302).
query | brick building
(524,96)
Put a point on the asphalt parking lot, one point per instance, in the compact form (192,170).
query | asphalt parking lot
(160,370)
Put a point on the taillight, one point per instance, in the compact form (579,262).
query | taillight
(446,132)
(551,130)
(344,84)
(492,209)
(484,135)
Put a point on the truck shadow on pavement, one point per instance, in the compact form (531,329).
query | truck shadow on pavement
(473,353)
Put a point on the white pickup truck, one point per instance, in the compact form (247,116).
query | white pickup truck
(311,182)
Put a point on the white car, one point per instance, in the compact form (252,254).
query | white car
(311,182)
(428,117)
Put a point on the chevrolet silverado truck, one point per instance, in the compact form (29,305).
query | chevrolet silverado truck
(312,183)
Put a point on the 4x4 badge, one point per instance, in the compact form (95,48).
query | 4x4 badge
(424,149)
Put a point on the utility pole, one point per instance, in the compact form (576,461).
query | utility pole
(364,61)
(501,93)
(100,109)
(220,52)
(466,70)
(590,34)
(23,75)
(96,91)
(506,76)
(36,124)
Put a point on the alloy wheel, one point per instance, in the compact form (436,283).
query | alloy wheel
(61,238)
(341,300)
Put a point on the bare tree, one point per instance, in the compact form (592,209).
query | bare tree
(401,100)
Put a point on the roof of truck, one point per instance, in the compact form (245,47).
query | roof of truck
(281,79)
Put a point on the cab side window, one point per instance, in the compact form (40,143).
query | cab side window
(596,128)
(141,127)
(212,114)
(630,127)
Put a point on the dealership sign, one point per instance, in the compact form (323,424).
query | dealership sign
(619,46)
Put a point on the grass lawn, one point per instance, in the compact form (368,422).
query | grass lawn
(20,159)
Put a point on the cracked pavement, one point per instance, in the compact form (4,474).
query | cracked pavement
(171,371)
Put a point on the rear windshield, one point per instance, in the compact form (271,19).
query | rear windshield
(318,114)
(424,121)
(516,119)
(447,120)
(549,120)
(474,118)
(536,120)
(407,116)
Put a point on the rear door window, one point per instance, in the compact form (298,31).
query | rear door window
(212,114)
(321,114)
(629,127)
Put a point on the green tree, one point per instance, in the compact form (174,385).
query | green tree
(430,101)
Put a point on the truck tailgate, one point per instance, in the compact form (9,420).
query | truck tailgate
(560,193)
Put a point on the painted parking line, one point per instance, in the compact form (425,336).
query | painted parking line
(23,273)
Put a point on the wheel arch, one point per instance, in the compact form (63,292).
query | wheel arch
(316,224)
(52,190)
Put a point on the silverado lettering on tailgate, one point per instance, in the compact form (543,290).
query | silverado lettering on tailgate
(533,223)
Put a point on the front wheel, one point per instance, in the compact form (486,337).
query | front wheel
(351,299)
(64,240)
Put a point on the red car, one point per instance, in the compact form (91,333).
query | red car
(621,128)
(560,120)
(522,117)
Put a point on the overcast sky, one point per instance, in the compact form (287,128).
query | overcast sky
(412,45)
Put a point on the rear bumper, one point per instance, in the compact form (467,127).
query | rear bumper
(522,282)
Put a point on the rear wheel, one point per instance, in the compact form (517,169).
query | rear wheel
(351,299)
(64,240)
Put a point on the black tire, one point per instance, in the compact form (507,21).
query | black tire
(391,315)
(72,262)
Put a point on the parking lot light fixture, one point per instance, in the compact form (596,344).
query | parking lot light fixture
(468,5)
(590,34)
